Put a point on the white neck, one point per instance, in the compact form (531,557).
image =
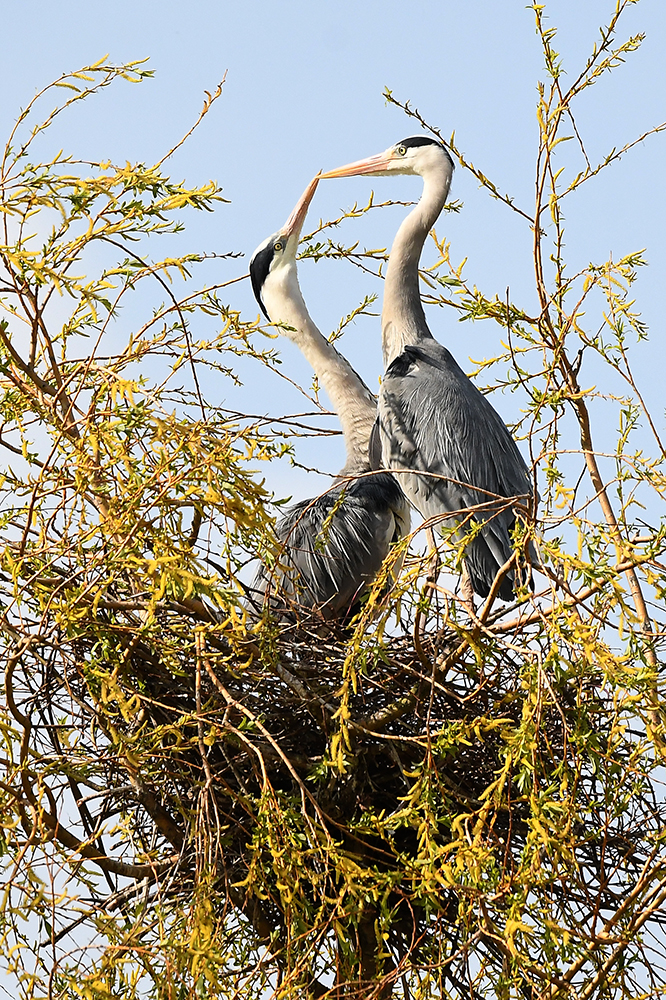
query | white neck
(403,318)
(353,402)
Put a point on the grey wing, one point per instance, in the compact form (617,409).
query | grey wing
(333,546)
(433,419)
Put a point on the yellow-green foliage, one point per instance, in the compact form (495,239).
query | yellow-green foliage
(432,801)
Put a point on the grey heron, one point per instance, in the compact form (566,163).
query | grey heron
(333,545)
(431,416)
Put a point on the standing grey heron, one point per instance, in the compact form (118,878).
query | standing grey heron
(333,545)
(431,417)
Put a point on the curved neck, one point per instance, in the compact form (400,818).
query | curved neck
(353,402)
(403,318)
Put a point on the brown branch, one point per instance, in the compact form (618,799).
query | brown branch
(249,714)
(481,178)
(208,103)
(547,134)
(176,305)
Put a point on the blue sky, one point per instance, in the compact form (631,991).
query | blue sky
(304,91)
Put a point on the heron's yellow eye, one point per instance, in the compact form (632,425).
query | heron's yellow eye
(402,150)
(277,245)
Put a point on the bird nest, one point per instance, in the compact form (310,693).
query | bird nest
(302,766)
(342,722)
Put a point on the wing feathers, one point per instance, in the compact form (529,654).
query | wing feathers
(433,419)
(334,545)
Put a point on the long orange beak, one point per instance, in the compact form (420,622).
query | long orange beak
(294,223)
(371,165)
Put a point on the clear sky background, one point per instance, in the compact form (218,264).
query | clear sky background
(304,91)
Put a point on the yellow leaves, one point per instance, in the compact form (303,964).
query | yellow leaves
(111,692)
(176,202)
(339,743)
(511,928)
(483,725)
(459,827)
(543,834)
(564,496)
(493,793)
(551,146)
(202,927)
(211,736)
(122,389)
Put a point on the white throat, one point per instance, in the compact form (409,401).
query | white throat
(353,402)
(403,318)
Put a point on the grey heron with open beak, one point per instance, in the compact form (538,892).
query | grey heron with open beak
(334,545)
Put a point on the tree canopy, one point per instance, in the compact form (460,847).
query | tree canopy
(429,801)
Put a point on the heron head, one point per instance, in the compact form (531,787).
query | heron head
(418,154)
(278,252)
